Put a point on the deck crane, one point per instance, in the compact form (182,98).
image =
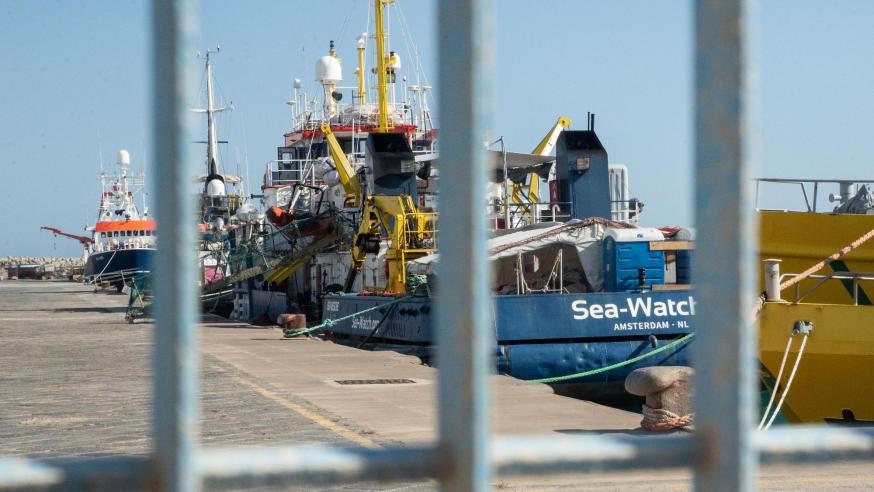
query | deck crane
(390,212)
(410,232)
(84,240)
(350,182)
(547,143)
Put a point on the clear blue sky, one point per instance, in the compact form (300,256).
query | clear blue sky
(75,80)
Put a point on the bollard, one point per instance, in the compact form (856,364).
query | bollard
(292,321)
(772,279)
(668,393)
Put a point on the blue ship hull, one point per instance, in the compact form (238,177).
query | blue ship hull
(543,335)
(118,267)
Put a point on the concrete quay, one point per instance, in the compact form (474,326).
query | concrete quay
(75,381)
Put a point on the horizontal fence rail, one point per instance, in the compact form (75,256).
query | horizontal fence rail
(511,455)
(724,450)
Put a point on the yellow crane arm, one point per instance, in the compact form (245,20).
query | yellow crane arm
(547,143)
(348,179)
(407,229)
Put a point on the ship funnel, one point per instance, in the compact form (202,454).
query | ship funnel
(123,158)
(583,173)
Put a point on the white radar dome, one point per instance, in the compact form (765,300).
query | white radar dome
(123,158)
(215,187)
(328,70)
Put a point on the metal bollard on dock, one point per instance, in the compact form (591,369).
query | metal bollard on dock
(668,393)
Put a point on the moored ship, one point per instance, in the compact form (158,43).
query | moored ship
(123,240)
(815,340)
(350,235)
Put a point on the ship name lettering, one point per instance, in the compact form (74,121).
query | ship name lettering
(635,306)
(647,307)
(364,323)
(641,325)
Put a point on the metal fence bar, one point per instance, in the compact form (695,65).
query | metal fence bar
(723,450)
(537,454)
(109,473)
(464,335)
(176,395)
(316,465)
(724,267)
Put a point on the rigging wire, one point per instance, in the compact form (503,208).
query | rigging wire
(345,24)
(411,45)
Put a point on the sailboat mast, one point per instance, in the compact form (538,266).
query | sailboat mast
(212,141)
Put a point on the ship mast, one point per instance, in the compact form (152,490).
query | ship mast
(362,91)
(215,202)
(212,141)
(380,66)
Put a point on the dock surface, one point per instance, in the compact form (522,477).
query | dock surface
(76,381)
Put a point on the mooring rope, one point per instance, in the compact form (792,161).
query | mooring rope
(777,381)
(624,363)
(827,261)
(788,384)
(328,323)
(660,419)
(815,268)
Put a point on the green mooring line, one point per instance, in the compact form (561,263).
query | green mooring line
(632,360)
(331,322)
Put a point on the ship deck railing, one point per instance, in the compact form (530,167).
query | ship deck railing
(809,188)
(528,213)
(855,278)
(723,452)
(417,235)
(289,172)
(355,114)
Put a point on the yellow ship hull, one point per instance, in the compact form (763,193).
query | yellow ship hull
(834,381)
(801,239)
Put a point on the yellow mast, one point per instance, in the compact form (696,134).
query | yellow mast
(362,91)
(384,125)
